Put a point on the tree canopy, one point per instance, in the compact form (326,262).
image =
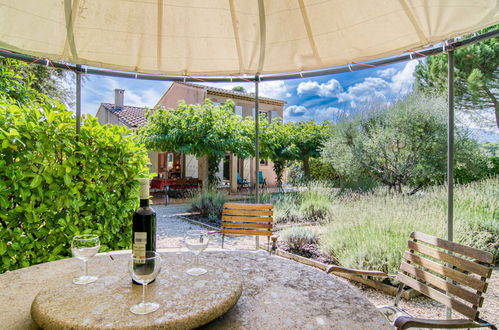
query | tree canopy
(205,129)
(476,79)
(37,79)
(404,145)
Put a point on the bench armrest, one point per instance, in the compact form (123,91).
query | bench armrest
(359,272)
(404,322)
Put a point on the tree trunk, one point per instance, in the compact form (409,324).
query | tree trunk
(496,104)
(306,169)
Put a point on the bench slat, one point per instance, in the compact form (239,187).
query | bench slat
(480,255)
(438,296)
(248,206)
(246,219)
(246,225)
(246,232)
(450,259)
(442,284)
(447,272)
(247,212)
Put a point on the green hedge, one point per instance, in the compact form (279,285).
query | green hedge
(54,185)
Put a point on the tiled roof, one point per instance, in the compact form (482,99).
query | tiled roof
(130,116)
(243,95)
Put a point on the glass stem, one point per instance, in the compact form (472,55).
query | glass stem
(143,293)
(197,260)
(85,267)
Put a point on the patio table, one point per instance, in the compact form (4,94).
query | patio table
(277,293)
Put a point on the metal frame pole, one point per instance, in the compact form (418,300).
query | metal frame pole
(78,99)
(257,149)
(450,153)
(450,147)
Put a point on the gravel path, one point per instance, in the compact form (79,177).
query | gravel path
(171,228)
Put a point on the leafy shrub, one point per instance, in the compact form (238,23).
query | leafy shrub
(54,184)
(298,237)
(316,203)
(311,204)
(209,203)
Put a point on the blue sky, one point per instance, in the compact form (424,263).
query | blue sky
(320,98)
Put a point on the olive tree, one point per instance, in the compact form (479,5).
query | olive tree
(403,145)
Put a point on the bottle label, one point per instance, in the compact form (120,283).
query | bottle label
(139,244)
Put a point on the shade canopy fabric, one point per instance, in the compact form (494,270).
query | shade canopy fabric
(233,37)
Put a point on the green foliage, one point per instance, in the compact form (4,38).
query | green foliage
(309,138)
(370,231)
(201,130)
(297,237)
(476,75)
(54,185)
(404,145)
(209,203)
(16,75)
(277,144)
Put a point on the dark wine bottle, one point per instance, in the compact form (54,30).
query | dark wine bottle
(144,225)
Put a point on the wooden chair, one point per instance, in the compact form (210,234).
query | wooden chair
(426,266)
(247,219)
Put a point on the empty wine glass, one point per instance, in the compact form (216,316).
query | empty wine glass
(144,271)
(85,247)
(196,241)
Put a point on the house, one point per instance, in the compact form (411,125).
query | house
(171,165)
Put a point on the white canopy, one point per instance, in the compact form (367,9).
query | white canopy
(233,37)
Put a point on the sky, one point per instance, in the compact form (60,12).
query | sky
(328,97)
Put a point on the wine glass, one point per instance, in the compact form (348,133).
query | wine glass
(196,241)
(144,271)
(85,247)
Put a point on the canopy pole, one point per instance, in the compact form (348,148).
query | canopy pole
(78,99)
(257,149)
(450,153)
(450,147)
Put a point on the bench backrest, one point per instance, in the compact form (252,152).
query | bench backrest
(430,262)
(247,219)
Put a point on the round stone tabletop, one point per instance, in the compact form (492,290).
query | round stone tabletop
(277,293)
(185,301)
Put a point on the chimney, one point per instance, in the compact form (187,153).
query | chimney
(119,95)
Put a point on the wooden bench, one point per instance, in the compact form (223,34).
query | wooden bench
(247,219)
(453,274)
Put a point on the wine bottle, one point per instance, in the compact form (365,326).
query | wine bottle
(144,224)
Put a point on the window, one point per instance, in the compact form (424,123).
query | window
(264,162)
(275,114)
(239,110)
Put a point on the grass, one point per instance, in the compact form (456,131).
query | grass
(370,231)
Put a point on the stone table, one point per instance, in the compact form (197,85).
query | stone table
(277,293)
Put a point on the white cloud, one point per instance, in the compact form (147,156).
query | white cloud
(294,111)
(386,73)
(330,89)
(402,81)
(371,90)
(299,112)
(273,89)
(375,90)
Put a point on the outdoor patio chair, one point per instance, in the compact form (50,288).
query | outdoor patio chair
(427,263)
(242,183)
(247,219)
(261,180)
